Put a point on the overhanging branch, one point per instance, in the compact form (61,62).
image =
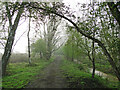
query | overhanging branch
(116,70)
(78,29)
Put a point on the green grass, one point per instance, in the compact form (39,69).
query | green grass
(105,68)
(19,74)
(80,79)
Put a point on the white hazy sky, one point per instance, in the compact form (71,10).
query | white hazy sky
(21,45)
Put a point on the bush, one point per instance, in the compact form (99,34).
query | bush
(18,57)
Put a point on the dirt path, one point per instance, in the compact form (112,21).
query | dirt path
(50,77)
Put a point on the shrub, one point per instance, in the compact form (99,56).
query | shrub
(18,57)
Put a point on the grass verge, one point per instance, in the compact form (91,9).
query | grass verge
(80,79)
(19,74)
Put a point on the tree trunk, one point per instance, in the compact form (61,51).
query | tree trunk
(93,48)
(29,55)
(72,53)
(41,56)
(10,40)
(93,72)
(93,59)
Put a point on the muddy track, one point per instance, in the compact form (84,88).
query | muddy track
(50,77)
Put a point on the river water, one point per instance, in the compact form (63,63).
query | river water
(102,74)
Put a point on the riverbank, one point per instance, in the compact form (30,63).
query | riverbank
(78,78)
(104,75)
(100,73)
(111,80)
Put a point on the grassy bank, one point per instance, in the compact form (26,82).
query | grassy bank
(105,68)
(79,78)
(19,74)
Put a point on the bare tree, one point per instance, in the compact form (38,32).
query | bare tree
(51,36)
